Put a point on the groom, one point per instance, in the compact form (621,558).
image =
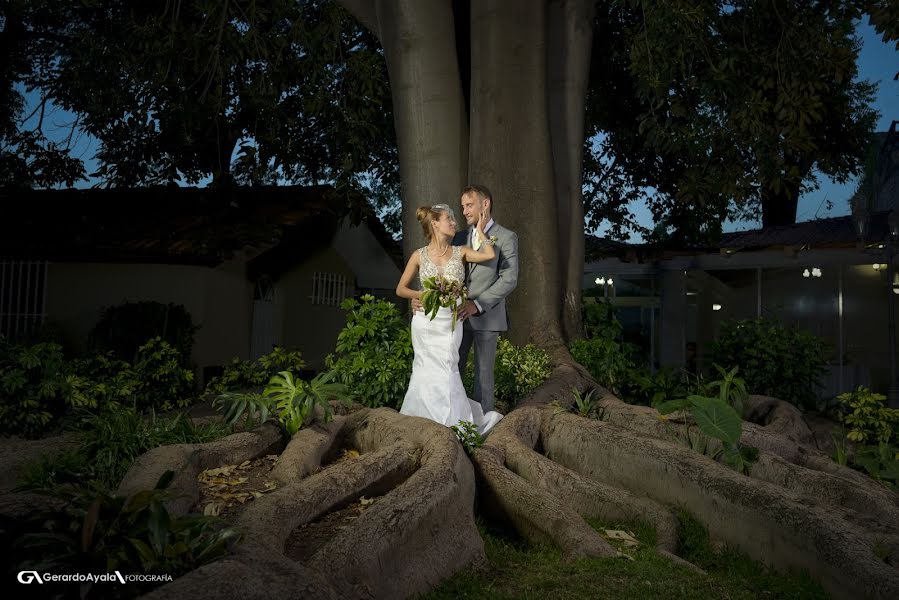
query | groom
(484,313)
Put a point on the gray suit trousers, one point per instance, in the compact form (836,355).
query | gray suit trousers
(484,359)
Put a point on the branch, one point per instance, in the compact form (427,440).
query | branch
(365,12)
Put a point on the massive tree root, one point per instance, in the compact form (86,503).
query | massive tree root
(797,509)
(543,471)
(418,531)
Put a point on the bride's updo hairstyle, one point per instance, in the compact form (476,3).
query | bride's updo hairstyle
(429,214)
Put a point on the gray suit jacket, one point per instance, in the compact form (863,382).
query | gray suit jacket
(490,282)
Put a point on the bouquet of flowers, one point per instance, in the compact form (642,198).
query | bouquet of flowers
(443,292)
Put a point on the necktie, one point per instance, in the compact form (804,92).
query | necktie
(476,240)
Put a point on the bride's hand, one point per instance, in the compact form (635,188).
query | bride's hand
(483,219)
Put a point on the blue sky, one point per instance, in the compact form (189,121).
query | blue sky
(878,62)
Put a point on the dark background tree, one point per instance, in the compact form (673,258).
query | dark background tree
(295,92)
(680,111)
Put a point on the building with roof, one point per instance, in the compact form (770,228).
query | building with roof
(254,266)
(833,277)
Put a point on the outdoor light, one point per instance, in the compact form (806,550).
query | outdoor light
(609,281)
(816,272)
(716,306)
(599,281)
(879,266)
(806,273)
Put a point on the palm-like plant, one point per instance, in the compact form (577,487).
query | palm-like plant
(291,399)
(296,399)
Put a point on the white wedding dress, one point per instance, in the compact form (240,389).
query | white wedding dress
(435,388)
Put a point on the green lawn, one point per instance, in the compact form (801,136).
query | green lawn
(517,570)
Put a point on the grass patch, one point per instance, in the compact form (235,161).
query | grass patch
(517,570)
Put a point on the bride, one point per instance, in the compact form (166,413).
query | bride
(435,389)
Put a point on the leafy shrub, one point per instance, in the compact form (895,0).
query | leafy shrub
(519,370)
(869,420)
(110,442)
(123,329)
(652,389)
(373,356)
(162,381)
(774,360)
(97,532)
(242,375)
(292,400)
(102,380)
(608,362)
(880,462)
(35,390)
(600,321)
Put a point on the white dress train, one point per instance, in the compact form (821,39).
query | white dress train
(435,388)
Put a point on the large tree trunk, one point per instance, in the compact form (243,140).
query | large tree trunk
(569,44)
(419,43)
(510,153)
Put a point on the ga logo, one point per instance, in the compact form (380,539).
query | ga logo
(29,577)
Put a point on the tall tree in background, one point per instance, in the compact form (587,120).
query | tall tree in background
(292,91)
(701,102)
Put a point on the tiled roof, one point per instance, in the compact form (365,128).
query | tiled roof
(836,231)
(167,224)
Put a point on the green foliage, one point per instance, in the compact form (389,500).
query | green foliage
(774,360)
(716,418)
(600,320)
(606,361)
(298,91)
(96,532)
(745,127)
(162,382)
(868,418)
(242,375)
(101,380)
(652,389)
(35,390)
(110,441)
(124,328)
(881,462)
(731,389)
(468,435)
(295,400)
(519,370)
(875,428)
(39,387)
(291,399)
(373,356)
(584,404)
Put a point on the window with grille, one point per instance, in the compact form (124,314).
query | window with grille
(23,290)
(328,288)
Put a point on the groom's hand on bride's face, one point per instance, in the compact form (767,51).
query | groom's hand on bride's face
(469,309)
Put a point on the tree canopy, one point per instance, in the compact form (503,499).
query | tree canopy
(240,91)
(705,109)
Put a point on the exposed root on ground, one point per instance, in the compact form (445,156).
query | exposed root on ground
(418,532)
